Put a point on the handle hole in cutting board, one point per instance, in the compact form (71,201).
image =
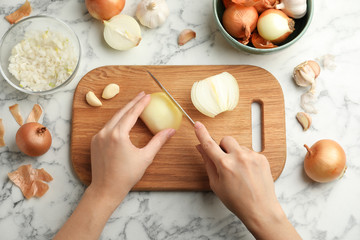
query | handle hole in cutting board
(256,125)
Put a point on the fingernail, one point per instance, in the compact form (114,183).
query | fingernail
(198,125)
(198,147)
(171,133)
(141,93)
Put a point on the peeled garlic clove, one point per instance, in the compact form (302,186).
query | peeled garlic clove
(110,91)
(185,36)
(304,119)
(305,73)
(152,13)
(92,100)
(122,32)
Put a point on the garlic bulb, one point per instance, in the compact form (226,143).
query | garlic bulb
(122,32)
(152,13)
(293,8)
(305,74)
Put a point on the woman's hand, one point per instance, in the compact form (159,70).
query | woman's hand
(117,165)
(242,179)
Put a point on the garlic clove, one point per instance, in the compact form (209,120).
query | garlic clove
(185,36)
(305,73)
(304,119)
(293,8)
(122,32)
(315,67)
(92,100)
(110,91)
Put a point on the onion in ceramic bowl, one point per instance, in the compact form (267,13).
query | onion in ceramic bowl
(301,25)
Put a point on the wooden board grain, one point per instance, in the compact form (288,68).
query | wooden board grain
(178,166)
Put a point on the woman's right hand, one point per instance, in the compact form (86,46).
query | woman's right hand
(242,179)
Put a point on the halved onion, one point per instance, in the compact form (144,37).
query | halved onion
(215,94)
(122,32)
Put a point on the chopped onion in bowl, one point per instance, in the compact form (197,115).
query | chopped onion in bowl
(43,60)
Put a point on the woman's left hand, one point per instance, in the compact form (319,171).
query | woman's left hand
(117,165)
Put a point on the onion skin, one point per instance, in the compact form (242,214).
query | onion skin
(260,5)
(104,9)
(33,139)
(325,161)
(240,21)
(260,42)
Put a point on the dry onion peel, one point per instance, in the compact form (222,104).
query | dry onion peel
(21,12)
(122,32)
(35,114)
(260,42)
(260,5)
(275,26)
(325,161)
(240,21)
(31,181)
(228,3)
(2,133)
(215,94)
(14,109)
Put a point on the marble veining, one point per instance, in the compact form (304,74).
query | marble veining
(318,211)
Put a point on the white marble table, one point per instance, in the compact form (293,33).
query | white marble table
(318,211)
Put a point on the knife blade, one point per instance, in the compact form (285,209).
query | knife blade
(171,97)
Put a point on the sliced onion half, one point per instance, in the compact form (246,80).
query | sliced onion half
(215,94)
(122,32)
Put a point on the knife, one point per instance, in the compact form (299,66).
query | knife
(171,97)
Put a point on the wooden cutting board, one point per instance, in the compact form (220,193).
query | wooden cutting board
(178,166)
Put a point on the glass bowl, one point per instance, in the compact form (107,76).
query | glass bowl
(16,34)
(301,25)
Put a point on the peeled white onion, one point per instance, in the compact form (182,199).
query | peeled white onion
(161,113)
(122,32)
(215,94)
(275,26)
